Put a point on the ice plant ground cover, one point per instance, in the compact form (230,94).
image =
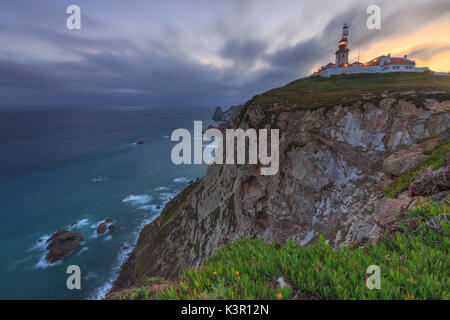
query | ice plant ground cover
(414,265)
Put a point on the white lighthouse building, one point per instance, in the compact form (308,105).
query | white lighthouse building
(382,64)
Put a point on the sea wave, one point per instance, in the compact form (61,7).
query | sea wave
(83,249)
(137,200)
(181,180)
(122,256)
(142,202)
(78,224)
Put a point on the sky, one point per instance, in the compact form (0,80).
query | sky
(197,52)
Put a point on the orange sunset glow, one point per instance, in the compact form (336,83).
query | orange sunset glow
(435,39)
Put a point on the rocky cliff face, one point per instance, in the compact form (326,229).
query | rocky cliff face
(333,165)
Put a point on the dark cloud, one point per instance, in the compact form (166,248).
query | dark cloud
(244,53)
(428,51)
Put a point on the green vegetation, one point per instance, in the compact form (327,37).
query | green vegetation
(414,265)
(435,160)
(314,92)
(149,290)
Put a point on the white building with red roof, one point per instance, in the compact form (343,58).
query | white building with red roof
(382,64)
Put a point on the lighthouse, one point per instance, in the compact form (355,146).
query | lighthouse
(342,52)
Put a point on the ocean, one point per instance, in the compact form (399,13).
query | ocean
(72,168)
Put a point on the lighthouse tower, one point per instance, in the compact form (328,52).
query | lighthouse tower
(342,52)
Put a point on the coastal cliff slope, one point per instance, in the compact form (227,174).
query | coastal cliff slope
(343,143)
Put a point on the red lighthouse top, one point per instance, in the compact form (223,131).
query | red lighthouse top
(343,42)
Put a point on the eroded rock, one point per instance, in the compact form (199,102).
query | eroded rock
(101,228)
(61,244)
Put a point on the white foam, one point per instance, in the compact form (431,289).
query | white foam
(136,200)
(165,197)
(181,180)
(142,203)
(78,224)
(43,263)
(83,250)
(99,179)
(150,207)
(162,188)
(122,256)
(41,243)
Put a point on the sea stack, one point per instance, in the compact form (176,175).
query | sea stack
(62,244)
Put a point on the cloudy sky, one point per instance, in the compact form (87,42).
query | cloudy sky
(197,52)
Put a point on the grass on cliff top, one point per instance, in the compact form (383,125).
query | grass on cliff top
(315,92)
(414,265)
(435,160)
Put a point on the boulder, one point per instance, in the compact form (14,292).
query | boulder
(140,142)
(387,210)
(109,220)
(111,227)
(101,228)
(397,163)
(61,244)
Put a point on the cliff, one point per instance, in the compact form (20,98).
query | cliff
(345,142)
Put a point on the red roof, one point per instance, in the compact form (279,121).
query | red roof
(400,61)
(378,58)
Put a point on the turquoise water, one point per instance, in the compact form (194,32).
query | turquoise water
(82,165)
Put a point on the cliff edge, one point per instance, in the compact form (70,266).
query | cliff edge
(344,144)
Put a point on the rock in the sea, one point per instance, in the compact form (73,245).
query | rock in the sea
(219,115)
(158,207)
(111,227)
(140,142)
(62,244)
(109,220)
(101,228)
(124,247)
